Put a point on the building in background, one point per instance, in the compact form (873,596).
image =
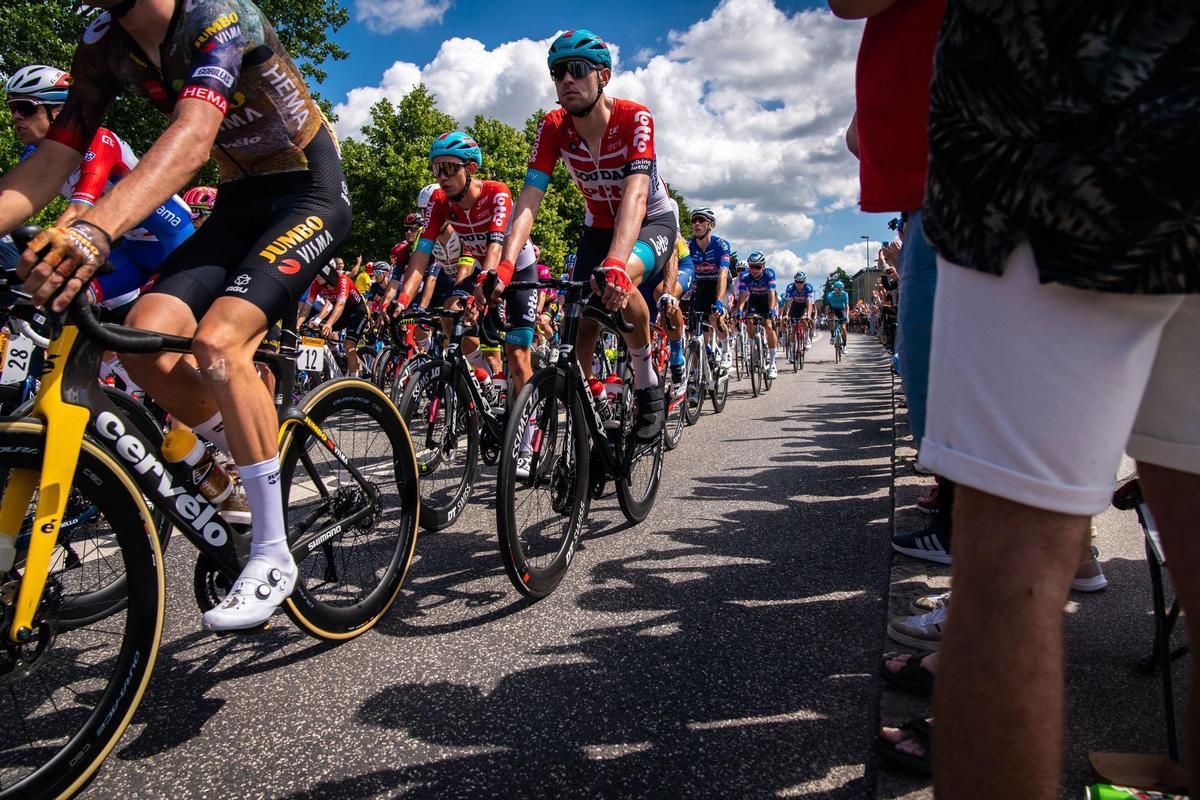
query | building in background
(866,281)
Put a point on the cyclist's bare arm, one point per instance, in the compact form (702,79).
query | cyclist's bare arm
(410,281)
(30,186)
(302,314)
(722,282)
(524,214)
(427,292)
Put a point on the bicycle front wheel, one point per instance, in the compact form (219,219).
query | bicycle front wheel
(353,572)
(755,367)
(74,686)
(541,512)
(446,439)
(694,402)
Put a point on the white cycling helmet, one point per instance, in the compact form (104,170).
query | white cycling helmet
(42,84)
(705,213)
(426,193)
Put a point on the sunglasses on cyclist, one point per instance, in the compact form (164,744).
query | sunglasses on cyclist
(447,168)
(698,220)
(577,67)
(24,108)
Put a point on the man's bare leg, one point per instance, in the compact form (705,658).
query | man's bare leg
(1173,498)
(998,698)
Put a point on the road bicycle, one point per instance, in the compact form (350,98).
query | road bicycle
(452,421)
(797,344)
(705,378)
(839,340)
(760,378)
(573,449)
(79,635)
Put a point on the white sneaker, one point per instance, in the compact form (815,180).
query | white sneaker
(924,632)
(259,590)
(524,461)
(726,360)
(772,372)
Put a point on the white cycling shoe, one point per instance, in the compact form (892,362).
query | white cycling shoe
(259,590)
(772,372)
(726,360)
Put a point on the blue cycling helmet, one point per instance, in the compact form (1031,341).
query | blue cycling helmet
(582,44)
(756,259)
(457,144)
(800,277)
(839,285)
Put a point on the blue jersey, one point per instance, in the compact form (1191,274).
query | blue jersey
(709,261)
(838,302)
(757,287)
(801,296)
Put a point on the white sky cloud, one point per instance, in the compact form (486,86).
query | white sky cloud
(385,16)
(750,105)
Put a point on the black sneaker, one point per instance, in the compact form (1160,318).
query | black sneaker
(929,544)
(650,414)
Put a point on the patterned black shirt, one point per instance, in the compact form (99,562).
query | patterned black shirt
(1075,125)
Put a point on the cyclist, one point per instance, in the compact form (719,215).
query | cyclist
(344,310)
(36,94)
(403,249)
(230,89)
(200,200)
(838,302)
(756,293)
(710,257)
(607,145)
(798,302)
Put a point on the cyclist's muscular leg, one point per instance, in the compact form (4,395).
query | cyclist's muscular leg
(224,347)
(772,336)
(174,383)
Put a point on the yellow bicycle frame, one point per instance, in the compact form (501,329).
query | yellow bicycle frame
(65,426)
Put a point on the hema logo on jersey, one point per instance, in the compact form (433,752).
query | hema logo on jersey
(170,216)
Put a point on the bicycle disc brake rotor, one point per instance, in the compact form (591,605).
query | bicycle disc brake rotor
(19,661)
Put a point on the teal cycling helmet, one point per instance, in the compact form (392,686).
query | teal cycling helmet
(582,44)
(800,277)
(457,144)
(839,285)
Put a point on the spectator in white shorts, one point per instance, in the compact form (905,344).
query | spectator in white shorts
(1064,203)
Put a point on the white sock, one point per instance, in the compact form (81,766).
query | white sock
(213,429)
(771,351)
(117,368)
(725,346)
(264,495)
(476,359)
(644,376)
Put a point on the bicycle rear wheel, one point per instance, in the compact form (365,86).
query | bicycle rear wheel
(755,367)
(719,393)
(445,436)
(349,580)
(694,403)
(540,517)
(73,688)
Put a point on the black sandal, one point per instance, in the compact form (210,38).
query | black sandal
(921,730)
(912,677)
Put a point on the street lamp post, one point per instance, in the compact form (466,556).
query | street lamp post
(868,238)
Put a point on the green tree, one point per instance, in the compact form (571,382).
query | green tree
(685,214)
(560,219)
(840,274)
(387,167)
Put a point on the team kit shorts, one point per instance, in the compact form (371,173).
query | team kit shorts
(654,246)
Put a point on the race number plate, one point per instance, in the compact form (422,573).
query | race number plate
(311,357)
(18,351)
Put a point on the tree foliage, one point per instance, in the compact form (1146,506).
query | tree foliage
(840,274)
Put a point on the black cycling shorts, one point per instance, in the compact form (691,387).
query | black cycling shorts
(839,314)
(266,239)
(657,234)
(703,297)
(353,320)
(442,287)
(520,307)
(758,304)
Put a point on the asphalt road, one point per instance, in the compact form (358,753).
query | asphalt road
(727,647)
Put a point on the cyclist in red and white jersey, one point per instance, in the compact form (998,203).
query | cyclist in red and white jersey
(607,145)
(344,310)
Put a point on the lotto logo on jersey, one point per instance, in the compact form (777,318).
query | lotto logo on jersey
(500,213)
(643,133)
(292,238)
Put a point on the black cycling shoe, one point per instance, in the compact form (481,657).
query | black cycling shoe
(676,374)
(651,417)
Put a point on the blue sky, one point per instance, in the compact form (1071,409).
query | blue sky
(787,197)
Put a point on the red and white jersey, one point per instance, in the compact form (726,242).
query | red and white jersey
(484,223)
(344,292)
(106,162)
(627,148)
